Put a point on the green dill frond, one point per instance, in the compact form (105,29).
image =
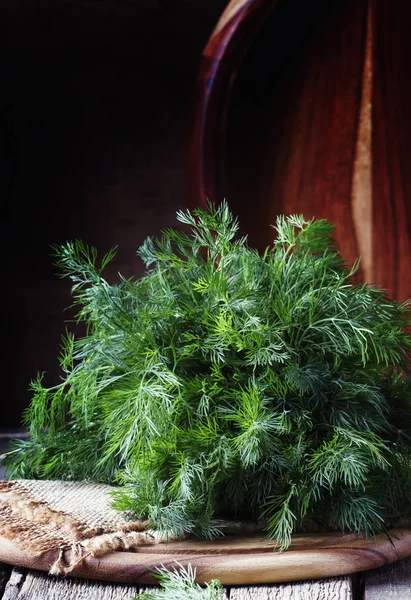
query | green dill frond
(227,383)
(179,584)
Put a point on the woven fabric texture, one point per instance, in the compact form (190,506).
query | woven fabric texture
(74,518)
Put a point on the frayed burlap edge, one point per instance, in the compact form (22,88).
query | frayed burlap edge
(36,527)
(75,520)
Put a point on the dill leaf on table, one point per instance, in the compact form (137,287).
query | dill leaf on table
(179,584)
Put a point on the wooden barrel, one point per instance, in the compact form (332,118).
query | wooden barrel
(303,107)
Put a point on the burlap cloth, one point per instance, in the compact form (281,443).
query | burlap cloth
(39,516)
(76,520)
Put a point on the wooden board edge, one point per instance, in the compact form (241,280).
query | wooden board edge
(230,569)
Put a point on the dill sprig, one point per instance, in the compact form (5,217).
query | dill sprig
(179,584)
(225,383)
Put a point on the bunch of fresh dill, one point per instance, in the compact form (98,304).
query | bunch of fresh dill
(224,383)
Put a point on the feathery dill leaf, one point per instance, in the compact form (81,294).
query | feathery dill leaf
(179,584)
(227,383)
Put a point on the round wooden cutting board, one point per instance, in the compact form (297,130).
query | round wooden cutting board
(234,560)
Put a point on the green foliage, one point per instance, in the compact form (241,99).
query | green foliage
(179,584)
(227,383)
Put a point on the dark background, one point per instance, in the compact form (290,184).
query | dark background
(95,109)
(94,106)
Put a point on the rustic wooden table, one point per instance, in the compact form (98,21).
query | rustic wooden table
(389,583)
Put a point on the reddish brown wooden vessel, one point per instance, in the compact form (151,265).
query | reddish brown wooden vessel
(302,107)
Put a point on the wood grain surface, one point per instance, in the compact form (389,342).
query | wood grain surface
(307,111)
(293,123)
(221,58)
(32,585)
(5,572)
(389,583)
(361,188)
(244,561)
(327,589)
(37,586)
(311,171)
(14,584)
(392,146)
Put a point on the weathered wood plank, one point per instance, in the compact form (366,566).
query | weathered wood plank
(325,589)
(38,586)
(5,572)
(392,582)
(34,585)
(14,584)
